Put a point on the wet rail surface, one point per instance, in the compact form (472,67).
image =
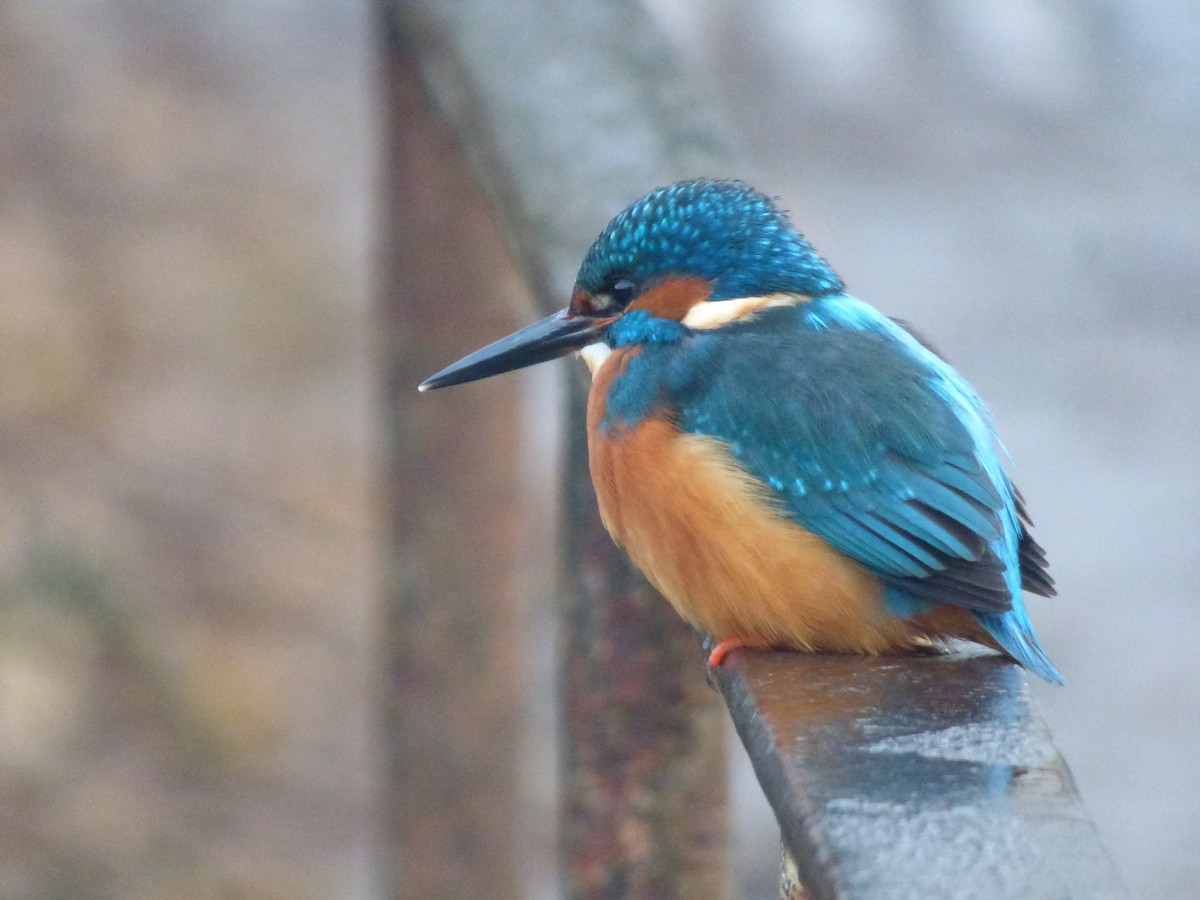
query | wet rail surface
(917,776)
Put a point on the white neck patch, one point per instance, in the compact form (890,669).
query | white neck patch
(715,313)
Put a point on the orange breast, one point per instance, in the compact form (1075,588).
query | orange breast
(705,533)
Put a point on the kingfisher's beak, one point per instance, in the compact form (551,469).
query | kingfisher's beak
(552,337)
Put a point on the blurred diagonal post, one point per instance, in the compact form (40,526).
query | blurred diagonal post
(568,111)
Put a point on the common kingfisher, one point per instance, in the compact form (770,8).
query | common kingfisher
(788,466)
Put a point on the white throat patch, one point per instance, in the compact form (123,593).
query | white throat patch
(595,355)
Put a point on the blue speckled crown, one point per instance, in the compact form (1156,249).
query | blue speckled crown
(724,231)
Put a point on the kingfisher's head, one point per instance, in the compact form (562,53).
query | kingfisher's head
(694,254)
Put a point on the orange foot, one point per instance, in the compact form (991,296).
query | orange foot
(726,645)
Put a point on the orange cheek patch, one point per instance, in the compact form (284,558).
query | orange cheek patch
(673,298)
(581,303)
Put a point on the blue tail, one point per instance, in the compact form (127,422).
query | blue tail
(1011,630)
(1014,633)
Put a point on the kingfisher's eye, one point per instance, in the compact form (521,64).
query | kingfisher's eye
(622,291)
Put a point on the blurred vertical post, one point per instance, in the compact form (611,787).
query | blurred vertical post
(451,710)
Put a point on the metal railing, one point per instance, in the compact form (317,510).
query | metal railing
(527,125)
(918,776)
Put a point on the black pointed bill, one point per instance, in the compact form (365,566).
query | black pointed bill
(552,337)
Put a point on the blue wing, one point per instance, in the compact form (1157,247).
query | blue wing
(867,446)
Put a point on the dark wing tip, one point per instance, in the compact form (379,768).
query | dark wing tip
(1034,575)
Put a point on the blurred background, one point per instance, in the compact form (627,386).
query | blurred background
(190,400)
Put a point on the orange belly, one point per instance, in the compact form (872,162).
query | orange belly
(708,537)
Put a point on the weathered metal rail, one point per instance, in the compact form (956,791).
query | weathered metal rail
(923,776)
